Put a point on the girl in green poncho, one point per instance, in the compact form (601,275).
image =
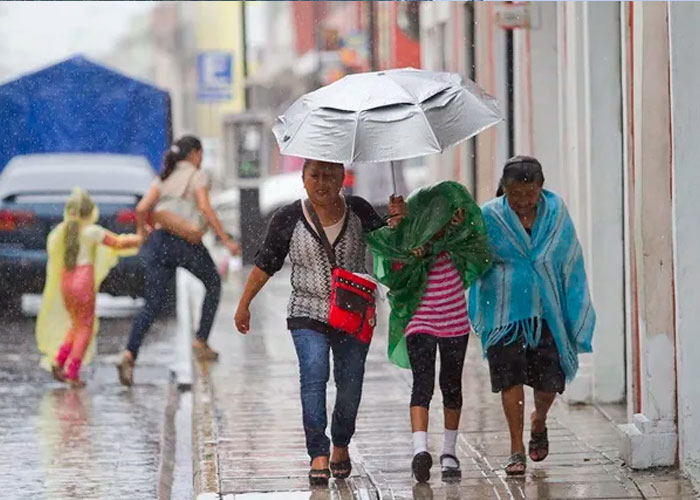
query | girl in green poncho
(428,259)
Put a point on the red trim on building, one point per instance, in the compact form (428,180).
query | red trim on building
(634,280)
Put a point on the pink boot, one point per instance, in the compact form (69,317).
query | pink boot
(62,354)
(73,373)
(60,361)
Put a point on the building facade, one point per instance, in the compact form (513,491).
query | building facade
(602,94)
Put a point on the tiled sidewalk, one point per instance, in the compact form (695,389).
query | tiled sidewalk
(259,442)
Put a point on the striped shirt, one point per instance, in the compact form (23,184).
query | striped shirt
(442,311)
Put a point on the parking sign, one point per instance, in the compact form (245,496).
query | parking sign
(214,76)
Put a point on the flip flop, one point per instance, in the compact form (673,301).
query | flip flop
(342,469)
(450,471)
(538,443)
(319,477)
(516,465)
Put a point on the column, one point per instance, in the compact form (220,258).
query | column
(650,439)
(574,149)
(605,246)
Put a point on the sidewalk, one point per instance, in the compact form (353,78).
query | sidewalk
(249,437)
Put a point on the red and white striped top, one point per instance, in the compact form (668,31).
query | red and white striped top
(442,311)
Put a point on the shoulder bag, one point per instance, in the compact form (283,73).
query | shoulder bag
(352,302)
(180,216)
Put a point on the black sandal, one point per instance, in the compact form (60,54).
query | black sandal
(538,443)
(319,477)
(514,462)
(450,471)
(421,464)
(342,469)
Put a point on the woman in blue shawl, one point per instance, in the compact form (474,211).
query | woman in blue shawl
(532,309)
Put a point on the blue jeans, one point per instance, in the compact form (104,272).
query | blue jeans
(162,254)
(313,349)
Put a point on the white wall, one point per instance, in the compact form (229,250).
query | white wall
(492,145)
(685,75)
(536,90)
(604,200)
(651,438)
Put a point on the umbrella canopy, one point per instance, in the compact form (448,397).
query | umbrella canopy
(385,116)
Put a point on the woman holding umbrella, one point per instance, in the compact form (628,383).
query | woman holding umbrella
(292,233)
(532,309)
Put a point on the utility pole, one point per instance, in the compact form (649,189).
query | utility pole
(371,36)
(244,35)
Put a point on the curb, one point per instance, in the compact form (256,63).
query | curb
(205,459)
(205,452)
(166,463)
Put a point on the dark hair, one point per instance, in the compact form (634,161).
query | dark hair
(178,152)
(308,162)
(520,169)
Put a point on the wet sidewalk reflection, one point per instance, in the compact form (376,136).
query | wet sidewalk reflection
(261,441)
(100,442)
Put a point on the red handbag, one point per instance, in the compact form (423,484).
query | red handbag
(353,305)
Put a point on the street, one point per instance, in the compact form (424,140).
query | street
(102,442)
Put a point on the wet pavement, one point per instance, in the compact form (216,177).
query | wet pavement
(101,442)
(259,442)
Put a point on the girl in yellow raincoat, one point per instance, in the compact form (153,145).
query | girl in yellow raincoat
(80,255)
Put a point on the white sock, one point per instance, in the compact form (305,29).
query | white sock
(420,442)
(448,447)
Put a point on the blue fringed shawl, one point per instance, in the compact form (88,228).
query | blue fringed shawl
(533,278)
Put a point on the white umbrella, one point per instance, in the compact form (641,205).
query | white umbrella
(385,116)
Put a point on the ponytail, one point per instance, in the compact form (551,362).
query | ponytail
(179,151)
(71,236)
(78,207)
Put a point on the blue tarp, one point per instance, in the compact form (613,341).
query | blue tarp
(80,106)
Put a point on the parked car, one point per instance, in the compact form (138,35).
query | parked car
(33,192)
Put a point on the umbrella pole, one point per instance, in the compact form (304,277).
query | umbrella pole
(393,177)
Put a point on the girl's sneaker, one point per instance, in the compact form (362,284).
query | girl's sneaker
(450,467)
(421,466)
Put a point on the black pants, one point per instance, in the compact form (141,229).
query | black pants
(421,351)
(162,254)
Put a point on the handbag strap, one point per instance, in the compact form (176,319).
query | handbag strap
(184,191)
(321,233)
(189,181)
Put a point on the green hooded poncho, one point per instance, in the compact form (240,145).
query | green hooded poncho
(430,209)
